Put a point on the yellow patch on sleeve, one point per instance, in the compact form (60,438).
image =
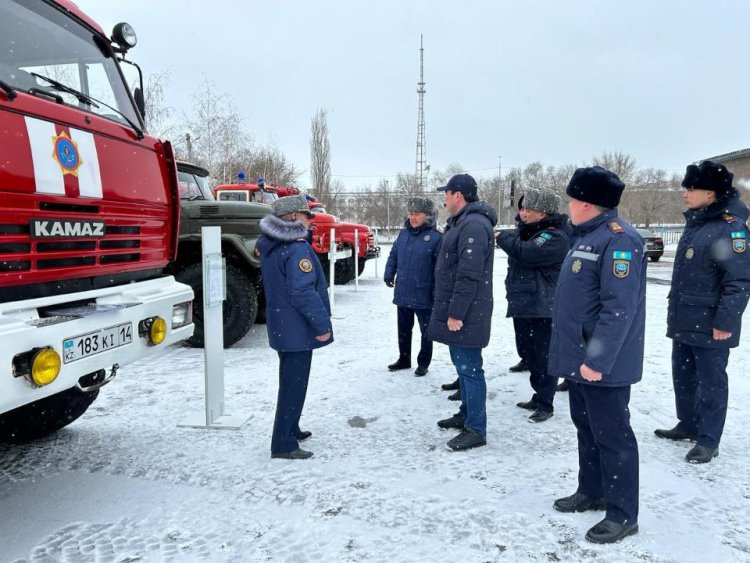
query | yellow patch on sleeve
(305,265)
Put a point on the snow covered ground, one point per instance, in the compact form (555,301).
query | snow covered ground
(124,483)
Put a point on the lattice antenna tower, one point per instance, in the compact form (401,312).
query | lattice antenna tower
(421,167)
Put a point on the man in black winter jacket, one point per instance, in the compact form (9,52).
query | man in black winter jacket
(536,250)
(710,289)
(462,310)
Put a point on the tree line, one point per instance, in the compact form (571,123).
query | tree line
(212,134)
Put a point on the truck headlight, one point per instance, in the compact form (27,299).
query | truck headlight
(182,314)
(45,366)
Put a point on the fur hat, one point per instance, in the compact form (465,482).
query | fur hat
(463,183)
(708,175)
(290,204)
(540,199)
(421,205)
(596,185)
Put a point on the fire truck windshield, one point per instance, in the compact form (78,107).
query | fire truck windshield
(38,40)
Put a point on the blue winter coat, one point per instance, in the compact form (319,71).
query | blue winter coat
(599,315)
(412,264)
(297,307)
(463,278)
(535,253)
(711,275)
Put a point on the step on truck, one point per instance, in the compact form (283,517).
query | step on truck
(240,230)
(88,221)
(347,265)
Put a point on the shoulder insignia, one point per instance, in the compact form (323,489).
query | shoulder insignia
(621,263)
(305,265)
(546,236)
(615,227)
(739,244)
(540,240)
(729,218)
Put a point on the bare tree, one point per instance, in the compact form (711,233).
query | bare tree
(618,162)
(158,114)
(320,157)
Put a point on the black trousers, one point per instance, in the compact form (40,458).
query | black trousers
(405,328)
(607,448)
(532,342)
(294,373)
(701,390)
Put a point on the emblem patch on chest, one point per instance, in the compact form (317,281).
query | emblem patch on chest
(305,265)
(576,267)
(427,238)
(689,253)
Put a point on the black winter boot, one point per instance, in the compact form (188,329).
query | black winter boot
(400,364)
(455,386)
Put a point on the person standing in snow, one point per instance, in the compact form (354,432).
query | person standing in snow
(298,314)
(598,328)
(710,288)
(462,312)
(536,250)
(411,268)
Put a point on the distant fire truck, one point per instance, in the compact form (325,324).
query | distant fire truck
(347,265)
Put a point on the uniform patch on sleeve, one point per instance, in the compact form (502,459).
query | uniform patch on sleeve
(621,263)
(615,227)
(739,244)
(305,265)
(539,241)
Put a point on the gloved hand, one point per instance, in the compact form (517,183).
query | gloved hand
(390,282)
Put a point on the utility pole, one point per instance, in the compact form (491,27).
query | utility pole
(499,183)
(189,147)
(421,165)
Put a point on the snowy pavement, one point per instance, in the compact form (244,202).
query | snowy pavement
(124,483)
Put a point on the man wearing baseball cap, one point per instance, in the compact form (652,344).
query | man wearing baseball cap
(462,310)
(598,327)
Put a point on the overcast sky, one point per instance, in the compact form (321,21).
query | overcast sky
(555,81)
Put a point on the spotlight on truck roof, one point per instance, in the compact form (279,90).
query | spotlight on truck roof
(124,35)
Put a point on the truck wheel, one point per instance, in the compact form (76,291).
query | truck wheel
(655,257)
(45,416)
(240,305)
(361,262)
(323,258)
(343,271)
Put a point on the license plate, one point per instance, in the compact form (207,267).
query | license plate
(97,342)
(343,253)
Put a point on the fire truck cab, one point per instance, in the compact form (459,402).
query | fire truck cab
(89,219)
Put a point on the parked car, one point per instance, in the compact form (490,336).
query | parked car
(654,244)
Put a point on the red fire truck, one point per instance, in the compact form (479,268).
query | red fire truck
(347,265)
(88,222)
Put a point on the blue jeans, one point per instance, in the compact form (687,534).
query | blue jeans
(468,362)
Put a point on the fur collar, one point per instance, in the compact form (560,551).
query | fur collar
(285,231)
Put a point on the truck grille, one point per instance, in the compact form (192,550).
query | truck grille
(133,240)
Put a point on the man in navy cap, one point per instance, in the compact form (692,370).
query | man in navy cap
(298,314)
(598,326)
(710,288)
(462,310)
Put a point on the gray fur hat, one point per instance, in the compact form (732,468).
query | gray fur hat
(290,204)
(540,199)
(421,205)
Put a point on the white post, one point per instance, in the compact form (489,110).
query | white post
(214,293)
(356,259)
(331,266)
(377,243)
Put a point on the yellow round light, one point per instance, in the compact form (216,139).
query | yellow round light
(45,367)
(158,331)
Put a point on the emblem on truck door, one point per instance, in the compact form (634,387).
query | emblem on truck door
(48,228)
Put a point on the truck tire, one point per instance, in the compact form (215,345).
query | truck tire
(240,305)
(344,271)
(655,257)
(323,258)
(45,416)
(361,262)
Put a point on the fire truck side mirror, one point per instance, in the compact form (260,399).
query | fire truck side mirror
(140,103)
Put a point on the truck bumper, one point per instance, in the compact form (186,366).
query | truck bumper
(91,331)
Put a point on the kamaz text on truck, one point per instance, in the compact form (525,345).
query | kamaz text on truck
(347,265)
(88,222)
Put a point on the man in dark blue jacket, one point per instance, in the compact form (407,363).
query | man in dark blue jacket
(598,327)
(462,311)
(298,314)
(710,288)
(411,268)
(536,250)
